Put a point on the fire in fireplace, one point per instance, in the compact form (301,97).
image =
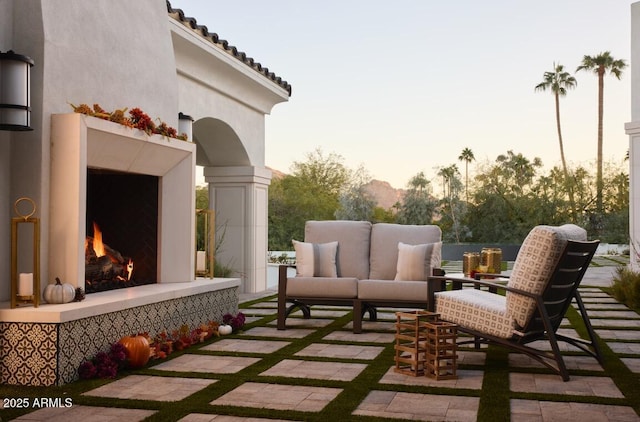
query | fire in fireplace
(122,220)
(104,266)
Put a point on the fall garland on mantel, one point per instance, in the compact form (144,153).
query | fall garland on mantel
(137,119)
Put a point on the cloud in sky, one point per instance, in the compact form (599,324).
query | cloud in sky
(404,86)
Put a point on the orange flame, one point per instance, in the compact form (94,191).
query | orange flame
(129,269)
(98,246)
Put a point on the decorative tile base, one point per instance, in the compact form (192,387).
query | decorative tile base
(45,354)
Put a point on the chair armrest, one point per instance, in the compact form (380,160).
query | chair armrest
(492,286)
(282,275)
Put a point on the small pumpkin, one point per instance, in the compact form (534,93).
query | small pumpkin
(138,350)
(59,292)
(225,329)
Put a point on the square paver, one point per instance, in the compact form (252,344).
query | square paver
(618,334)
(258,311)
(632,363)
(342,351)
(367,337)
(531,410)
(553,384)
(586,363)
(202,417)
(148,387)
(278,396)
(624,348)
(86,413)
(467,379)
(246,346)
(334,371)
(322,313)
(207,364)
(299,322)
(415,406)
(613,314)
(374,326)
(616,323)
(274,332)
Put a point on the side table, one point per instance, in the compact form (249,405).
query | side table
(411,341)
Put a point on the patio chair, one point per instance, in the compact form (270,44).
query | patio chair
(545,278)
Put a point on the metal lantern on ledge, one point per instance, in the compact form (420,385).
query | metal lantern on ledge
(25,286)
(185,125)
(15,91)
(205,247)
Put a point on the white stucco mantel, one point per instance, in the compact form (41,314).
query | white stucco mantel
(79,142)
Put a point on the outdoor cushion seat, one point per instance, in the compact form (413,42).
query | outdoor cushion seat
(378,264)
(476,309)
(342,287)
(545,278)
(376,290)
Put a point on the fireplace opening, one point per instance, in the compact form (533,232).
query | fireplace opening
(122,217)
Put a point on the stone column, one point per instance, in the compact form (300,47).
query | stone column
(633,130)
(239,197)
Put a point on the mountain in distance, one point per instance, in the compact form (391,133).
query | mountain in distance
(385,195)
(382,192)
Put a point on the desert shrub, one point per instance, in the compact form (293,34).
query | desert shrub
(626,286)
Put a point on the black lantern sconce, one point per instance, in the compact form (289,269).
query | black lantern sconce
(15,91)
(185,125)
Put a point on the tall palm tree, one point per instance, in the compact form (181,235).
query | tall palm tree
(558,82)
(600,65)
(467,156)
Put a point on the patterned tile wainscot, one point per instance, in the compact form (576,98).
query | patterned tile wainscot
(44,346)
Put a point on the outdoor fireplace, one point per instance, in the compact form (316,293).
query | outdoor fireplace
(140,191)
(121,247)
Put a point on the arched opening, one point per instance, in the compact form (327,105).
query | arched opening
(218,144)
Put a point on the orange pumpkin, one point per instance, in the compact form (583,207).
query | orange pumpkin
(138,350)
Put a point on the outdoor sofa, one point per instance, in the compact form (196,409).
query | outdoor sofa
(360,265)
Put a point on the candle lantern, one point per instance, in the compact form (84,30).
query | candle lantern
(15,91)
(25,286)
(185,125)
(205,243)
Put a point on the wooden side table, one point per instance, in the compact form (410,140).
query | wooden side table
(411,342)
(441,357)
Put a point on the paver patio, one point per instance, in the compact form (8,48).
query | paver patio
(292,381)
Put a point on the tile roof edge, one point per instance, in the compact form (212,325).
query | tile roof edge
(179,15)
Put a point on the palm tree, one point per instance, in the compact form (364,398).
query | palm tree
(466,156)
(600,65)
(558,82)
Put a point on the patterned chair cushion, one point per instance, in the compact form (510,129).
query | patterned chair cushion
(476,309)
(536,260)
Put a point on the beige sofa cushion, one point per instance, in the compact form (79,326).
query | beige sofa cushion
(325,287)
(316,259)
(384,246)
(392,290)
(416,261)
(353,239)
(536,260)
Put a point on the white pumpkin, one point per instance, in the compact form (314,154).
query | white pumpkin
(59,292)
(224,329)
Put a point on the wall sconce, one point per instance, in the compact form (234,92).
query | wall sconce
(15,91)
(185,125)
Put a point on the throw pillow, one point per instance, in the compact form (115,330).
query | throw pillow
(316,259)
(416,261)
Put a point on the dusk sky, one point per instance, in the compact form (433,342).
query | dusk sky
(404,86)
